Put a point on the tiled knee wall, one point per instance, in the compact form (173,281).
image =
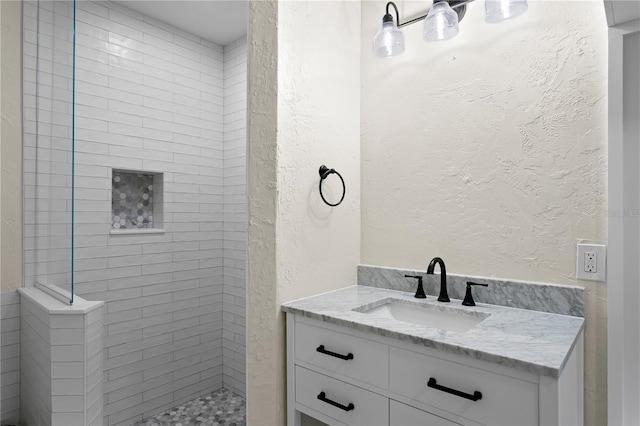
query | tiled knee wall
(61,362)
(10,354)
(235,216)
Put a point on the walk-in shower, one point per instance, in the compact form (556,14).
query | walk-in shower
(135,196)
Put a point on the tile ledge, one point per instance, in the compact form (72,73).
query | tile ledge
(136,231)
(54,306)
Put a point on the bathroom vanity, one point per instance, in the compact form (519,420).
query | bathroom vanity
(370,356)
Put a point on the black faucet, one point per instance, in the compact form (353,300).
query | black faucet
(420,291)
(444,297)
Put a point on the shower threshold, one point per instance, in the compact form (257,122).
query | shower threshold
(218,408)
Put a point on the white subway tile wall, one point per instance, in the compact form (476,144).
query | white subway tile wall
(149,97)
(235,216)
(10,354)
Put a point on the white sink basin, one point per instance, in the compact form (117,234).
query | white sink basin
(445,318)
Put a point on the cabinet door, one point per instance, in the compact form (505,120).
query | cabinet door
(405,415)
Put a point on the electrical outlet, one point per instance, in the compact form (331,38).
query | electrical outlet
(591,262)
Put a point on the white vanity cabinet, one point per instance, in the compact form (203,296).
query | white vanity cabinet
(341,376)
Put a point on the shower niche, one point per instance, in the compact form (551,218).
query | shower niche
(136,201)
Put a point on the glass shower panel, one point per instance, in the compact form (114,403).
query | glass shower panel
(48,78)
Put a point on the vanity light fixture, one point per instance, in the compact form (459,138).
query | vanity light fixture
(440,23)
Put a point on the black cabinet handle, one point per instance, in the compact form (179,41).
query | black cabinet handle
(323,397)
(433,384)
(322,350)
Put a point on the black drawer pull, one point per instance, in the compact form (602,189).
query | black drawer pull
(323,397)
(476,395)
(322,350)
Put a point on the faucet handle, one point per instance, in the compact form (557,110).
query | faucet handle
(468,297)
(420,291)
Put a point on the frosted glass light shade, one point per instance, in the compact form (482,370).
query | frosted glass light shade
(389,41)
(501,10)
(441,23)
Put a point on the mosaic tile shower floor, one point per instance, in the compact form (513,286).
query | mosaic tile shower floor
(219,408)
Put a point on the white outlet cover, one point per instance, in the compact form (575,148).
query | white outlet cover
(601,266)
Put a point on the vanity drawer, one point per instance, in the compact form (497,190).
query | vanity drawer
(505,400)
(367,409)
(405,415)
(317,346)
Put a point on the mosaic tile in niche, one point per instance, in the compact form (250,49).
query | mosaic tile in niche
(131,200)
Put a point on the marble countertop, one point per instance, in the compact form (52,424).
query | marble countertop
(532,341)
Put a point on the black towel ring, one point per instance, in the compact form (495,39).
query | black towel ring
(324,172)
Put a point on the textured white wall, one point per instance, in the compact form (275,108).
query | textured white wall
(10,208)
(297,245)
(489,150)
(11,146)
(265,334)
(318,123)
(234,307)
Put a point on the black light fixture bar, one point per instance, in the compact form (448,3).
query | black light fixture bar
(455,4)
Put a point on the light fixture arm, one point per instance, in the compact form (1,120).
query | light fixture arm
(458,5)
(396,9)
